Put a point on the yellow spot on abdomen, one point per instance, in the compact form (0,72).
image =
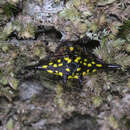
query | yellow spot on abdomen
(69,77)
(93,62)
(55,65)
(89,65)
(60,73)
(78,69)
(69,61)
(84,73)
(94,70)
(59,60)
(44,66)
(77,59)
(66,58)
(99,65)
(56,72)
(71,48)
(85,60)
(50,71)
(88,71)
(76,77)
(50,63)
(61,64)
(67,69)
(84,63)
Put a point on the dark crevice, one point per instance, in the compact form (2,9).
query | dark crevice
(55,35)
(92,44)
(49,32)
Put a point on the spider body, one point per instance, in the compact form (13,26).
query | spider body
(72,62)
